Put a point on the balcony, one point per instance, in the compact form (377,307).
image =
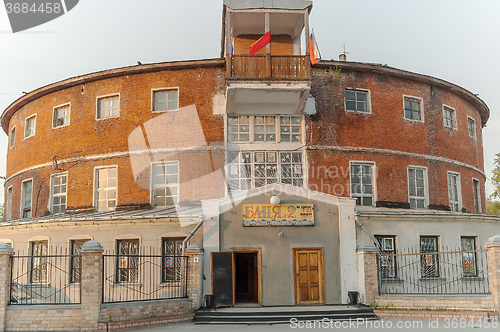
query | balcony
(268,67)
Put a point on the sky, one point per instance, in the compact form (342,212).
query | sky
(455,40)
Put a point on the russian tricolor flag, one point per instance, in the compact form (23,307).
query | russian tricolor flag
(313,49)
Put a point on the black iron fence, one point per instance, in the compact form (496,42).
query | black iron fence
(142,277)
(441,272)
(40,278)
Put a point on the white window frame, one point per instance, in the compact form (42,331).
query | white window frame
(21,213)
(55,108)
(153,91)
(459,191)
(453,115)
(478,195)
(96,187)
(8,205)
(26,125)
(177,185)
(368,101)
(52,194)
(421,102)
(108,96)
(469,119)
(12,137)
(426,185)
(277,132)
(374,180)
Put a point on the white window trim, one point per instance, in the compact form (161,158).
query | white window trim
(69,115)
(455,126)
(10,137)
(21,205)
(172,162)
(475,127)
(34,129)
(8,205)
(51,198)
(107,96)
(94,192)
(426,183)
(421,100)
(164,89)
(459,189)
(368,101)
(479,202)
(251,132)
(374,177)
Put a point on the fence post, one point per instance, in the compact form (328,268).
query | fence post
(193,254)
(493,246)
(6,252)
(368,287)
(91,285)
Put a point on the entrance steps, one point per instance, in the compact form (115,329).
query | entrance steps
(282,315)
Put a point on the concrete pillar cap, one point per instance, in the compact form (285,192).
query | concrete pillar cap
(92,245)
(4,247)
(494,240)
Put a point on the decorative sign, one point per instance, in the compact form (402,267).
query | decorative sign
(278,215)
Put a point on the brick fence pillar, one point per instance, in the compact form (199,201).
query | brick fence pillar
(368,274)
(6,252)
(195,256)
(493,246)
(91,285)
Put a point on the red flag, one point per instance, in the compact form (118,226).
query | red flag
(263,41)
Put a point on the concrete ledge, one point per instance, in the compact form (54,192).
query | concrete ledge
(435,314)
(157,321)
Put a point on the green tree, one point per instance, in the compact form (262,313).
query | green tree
(493,206)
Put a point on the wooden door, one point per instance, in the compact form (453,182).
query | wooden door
(309,276)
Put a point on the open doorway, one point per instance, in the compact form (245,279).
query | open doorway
(246,278)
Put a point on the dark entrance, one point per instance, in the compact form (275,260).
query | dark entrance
(246,278)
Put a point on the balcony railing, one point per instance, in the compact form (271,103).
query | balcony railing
(262,66)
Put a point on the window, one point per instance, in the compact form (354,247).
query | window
(357,101)
(468,243)
(429,261)
(39,251)
(76,260)
(58,191)
(128,267)
(26,192)
(172,264)
(8,207)
(413,108)
(165,183)
(449,117)
(264,129)
(254,169)
(471,123)
(387,263)
(12,137)
(106,187)
(417,187)
(29,126)
(61,116)
(454,192)
(165,100)
(476,194)
(108,107)
(362,186)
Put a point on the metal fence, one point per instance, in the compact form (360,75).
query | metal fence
(445,272)
(40,278)
(142,277)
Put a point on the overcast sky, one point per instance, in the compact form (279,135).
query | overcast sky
(455,40)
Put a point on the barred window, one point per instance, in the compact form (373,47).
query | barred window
(172,261)
(127,265)
(429,261)
(387,263)
(76,260)
(469,259)
(39,251)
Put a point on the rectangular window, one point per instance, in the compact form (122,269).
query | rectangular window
(39,251)
(58,190)
(165,183)
(417,191)
(127,265)
(291,129)
(29,126)
(108,107)
(12,137)
(449,117)
(165,100)
(357,101)
(469,259)
(454,193)
(413,108)
(172,264)
(429,260)
(387,263)
(472,127)
(61,116)
(264,129)
(26,193)
(106,188)
(476,192)
(238,128)
(254,169)
(76,260)
(8,207)
(362,184)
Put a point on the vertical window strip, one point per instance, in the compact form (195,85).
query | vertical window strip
(453,192)
(26,196)
(59,188)
(106,188)
(416,188)
(165,184)
(362,186)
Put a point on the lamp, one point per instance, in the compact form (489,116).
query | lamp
(275,200)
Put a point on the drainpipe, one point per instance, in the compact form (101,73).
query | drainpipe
(367,231)
(190,235)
